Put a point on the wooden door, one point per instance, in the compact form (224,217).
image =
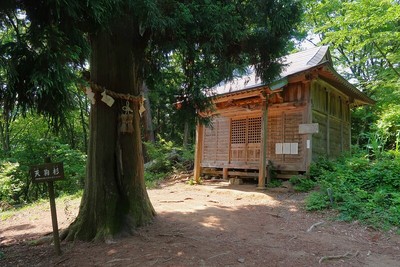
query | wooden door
(245,140)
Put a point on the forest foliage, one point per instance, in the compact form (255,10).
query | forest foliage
(364,39)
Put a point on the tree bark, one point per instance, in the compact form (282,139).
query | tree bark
(115,201)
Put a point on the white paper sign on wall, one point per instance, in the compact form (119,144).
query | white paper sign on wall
(294,148)
(278,148)
(308,128)
(287,148)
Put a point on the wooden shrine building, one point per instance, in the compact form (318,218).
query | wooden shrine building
(301,116)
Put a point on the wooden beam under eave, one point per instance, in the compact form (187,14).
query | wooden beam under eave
(239,95)
(263,147)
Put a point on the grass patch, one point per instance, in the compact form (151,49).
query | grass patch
(42,204)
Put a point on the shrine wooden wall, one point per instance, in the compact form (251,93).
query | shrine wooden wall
(283,129)
(331,110)
(233,140)
(216,143)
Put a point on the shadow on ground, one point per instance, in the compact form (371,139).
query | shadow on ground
(220,225)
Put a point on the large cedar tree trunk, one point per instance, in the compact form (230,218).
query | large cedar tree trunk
(115,200)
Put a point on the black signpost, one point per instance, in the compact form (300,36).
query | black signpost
(50,172)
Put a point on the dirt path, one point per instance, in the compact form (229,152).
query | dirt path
(214,224)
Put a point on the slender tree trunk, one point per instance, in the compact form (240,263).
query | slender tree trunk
(147,118)
(70,129)
(82,108)
(115,200)
(2,136)
(186,133)
(5,132)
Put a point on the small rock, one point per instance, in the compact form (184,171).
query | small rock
(241,260)
(288,185)
(235,181)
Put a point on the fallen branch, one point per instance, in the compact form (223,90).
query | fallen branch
(346,255)
(314,225)
(157,260)
(172,235)
(168,259)
(275,215)
(62,260)
(171,201)
(293,237)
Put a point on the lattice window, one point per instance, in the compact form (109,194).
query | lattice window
(254,130)
(238,131)
(246,131)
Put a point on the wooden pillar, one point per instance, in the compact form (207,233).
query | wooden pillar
(328,124)
(349,107)
(263,145)
(309,87)
(225,173)
(198,151)
(342,122)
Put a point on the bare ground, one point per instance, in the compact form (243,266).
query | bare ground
(214,224)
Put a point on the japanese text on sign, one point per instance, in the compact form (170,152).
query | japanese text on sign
(47,172)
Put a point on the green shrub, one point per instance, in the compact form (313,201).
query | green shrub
(15,182)
(361,188)
(317,201)
(10,186)
(319,167)
(164,158)
(274,183)
(301,183)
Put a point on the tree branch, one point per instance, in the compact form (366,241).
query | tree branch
(384,56)
(14,25)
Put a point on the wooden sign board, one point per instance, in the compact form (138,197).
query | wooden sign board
(47,172)
(309,128)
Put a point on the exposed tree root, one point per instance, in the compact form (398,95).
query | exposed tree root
(314,225)
(346,255)
(47,239)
